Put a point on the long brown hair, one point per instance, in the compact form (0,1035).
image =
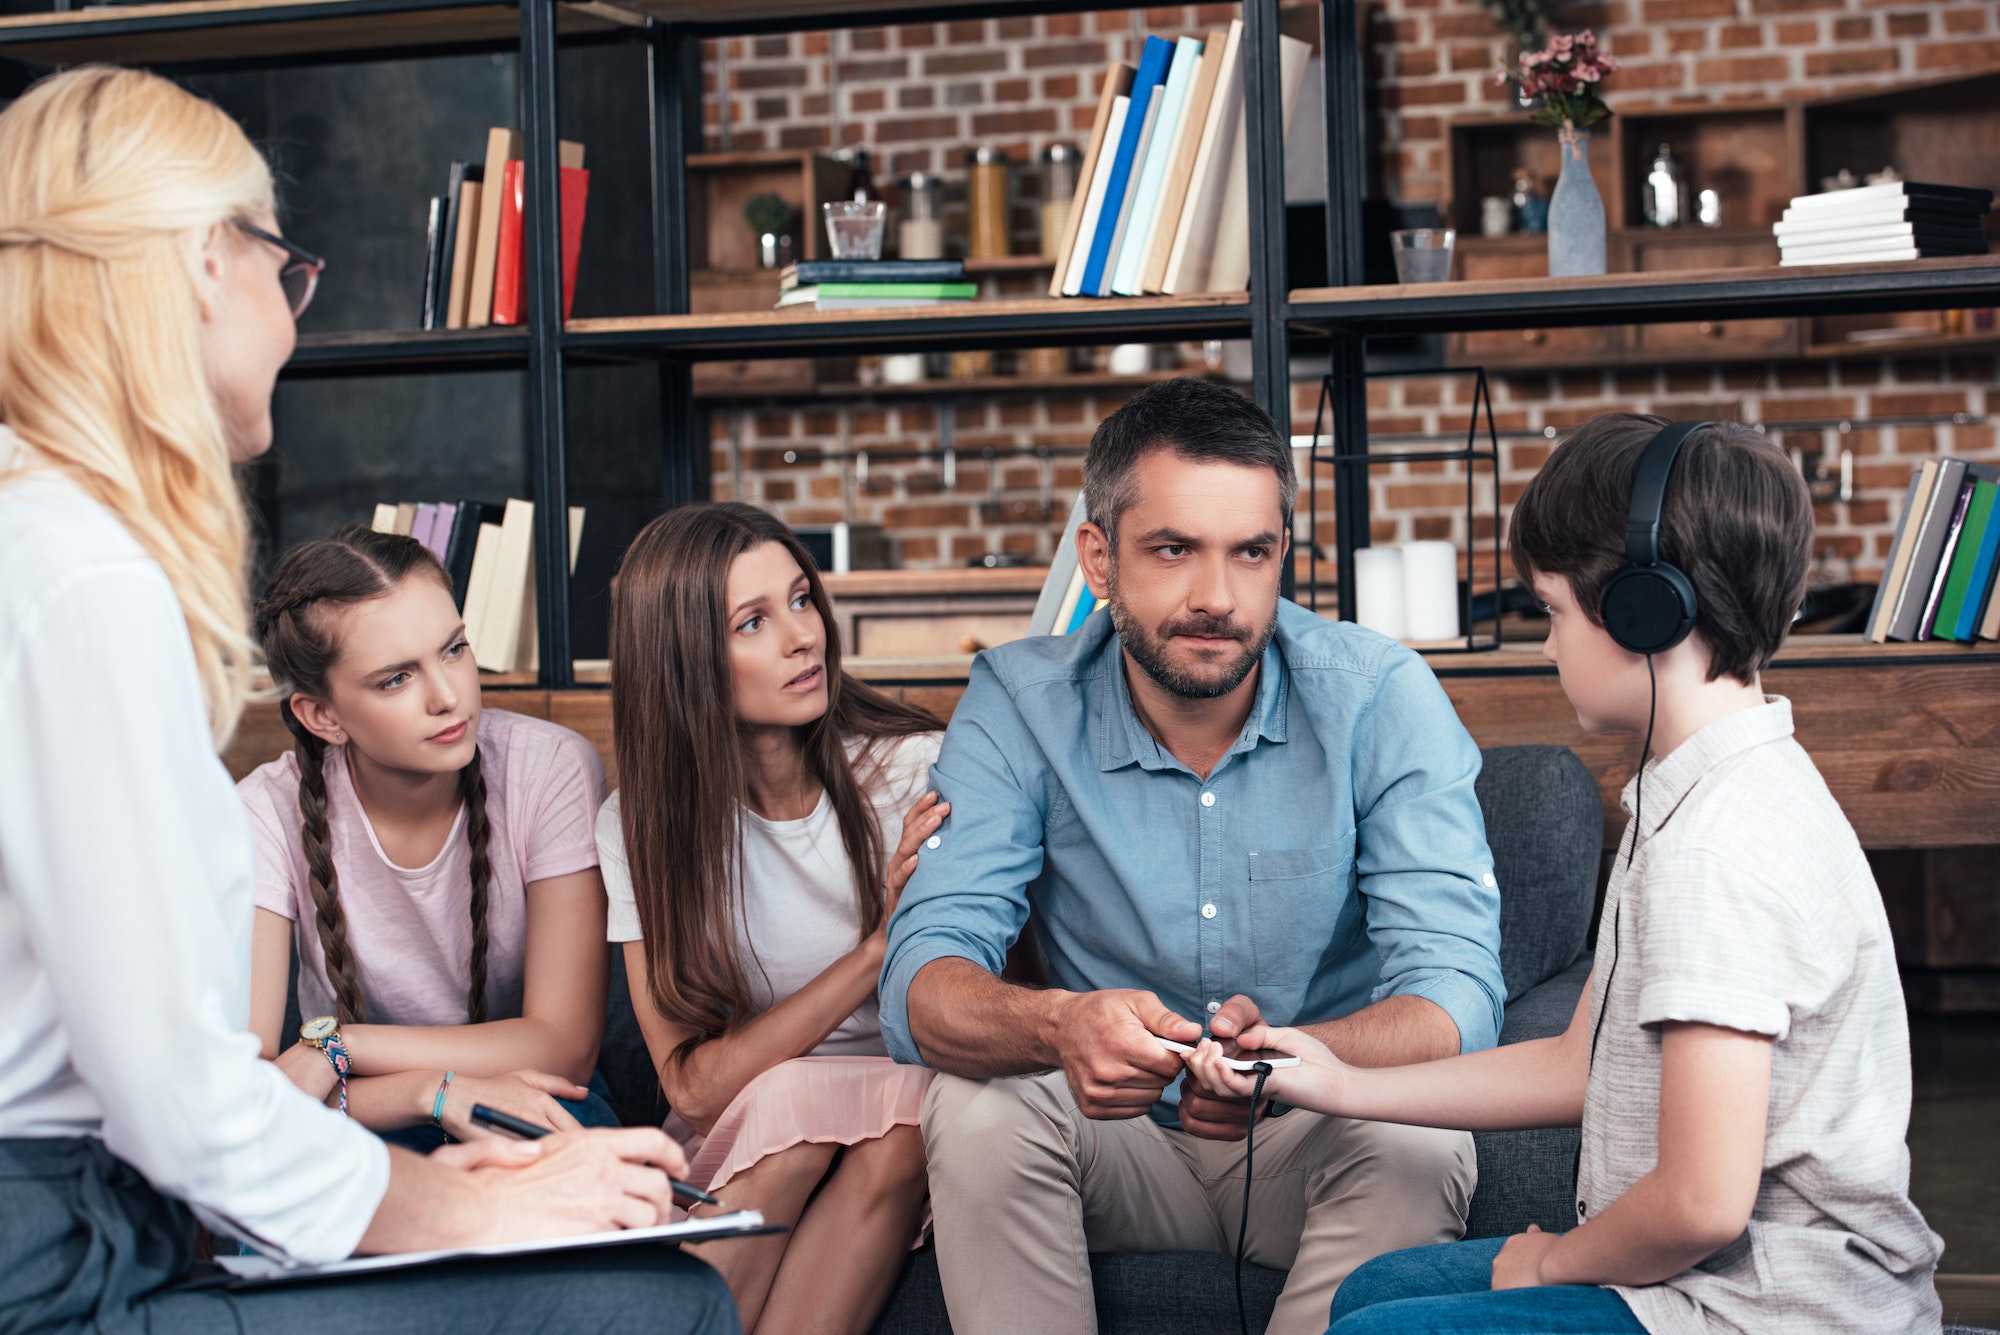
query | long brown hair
(682,779)
(352,566)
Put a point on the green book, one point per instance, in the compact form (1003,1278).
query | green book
(798,296)
(1977,516)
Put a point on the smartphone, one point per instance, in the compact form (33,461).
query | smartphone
(1236,1059)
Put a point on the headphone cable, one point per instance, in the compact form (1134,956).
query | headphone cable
(1262,1069)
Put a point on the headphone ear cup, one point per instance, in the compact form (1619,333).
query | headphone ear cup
(1647,609)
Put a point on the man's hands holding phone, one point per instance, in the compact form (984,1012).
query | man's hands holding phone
(1220,1096)
(1110,1048)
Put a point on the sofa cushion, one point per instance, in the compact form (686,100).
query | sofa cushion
(1545,825)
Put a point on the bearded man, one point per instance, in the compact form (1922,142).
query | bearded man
(1217,806)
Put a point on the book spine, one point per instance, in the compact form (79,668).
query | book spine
(1111,215)
(575,198)
(433,261)
(509,273)
(1924,558)
(1093,208)
(807,273)
(1130,259)
(1947,556)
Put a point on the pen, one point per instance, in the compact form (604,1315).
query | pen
(514,1126)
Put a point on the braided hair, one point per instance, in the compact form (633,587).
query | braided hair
(351,566)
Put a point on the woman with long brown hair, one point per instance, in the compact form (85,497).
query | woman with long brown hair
(147,301)
(433,861)
(747,859)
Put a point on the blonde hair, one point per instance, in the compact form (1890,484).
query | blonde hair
(103,175)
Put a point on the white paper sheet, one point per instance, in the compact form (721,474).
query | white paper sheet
(263,1270)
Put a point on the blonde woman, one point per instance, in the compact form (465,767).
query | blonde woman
(146,304)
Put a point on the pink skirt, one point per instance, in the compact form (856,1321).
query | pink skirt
(808,1100)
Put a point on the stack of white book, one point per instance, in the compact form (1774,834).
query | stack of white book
(1903,220)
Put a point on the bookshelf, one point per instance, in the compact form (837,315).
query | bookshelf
(1339,319)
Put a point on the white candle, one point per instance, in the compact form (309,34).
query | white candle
(1378,589)
(1430,590)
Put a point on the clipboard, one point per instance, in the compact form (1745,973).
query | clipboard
(243,1272)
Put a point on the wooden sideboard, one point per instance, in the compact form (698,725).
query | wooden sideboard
(1907,736)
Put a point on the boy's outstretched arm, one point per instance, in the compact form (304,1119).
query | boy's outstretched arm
(1537,1083)
(1715,1096)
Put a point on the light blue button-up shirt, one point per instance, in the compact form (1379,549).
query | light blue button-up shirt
(1334,857)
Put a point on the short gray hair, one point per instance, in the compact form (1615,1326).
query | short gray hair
(1196,419)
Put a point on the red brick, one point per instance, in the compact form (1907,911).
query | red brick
(1797,32)
(965,62)
(864,71)
(1680,41)
(1015,29)
(916,127)
(868,39)
(1965,20)
(1033,120)
(864,100)
(1875,60)
(1069,53)
(1062,88)
(1062,25)
(1954,55)
(965,32)
(1858,28)
(1936,403)
(926,516)
(1736,36)
(1416,62)
(757,77)
(1423,95)
(1641,78)
(1680,11)
(803,136)
(910,97)
(917,34)
(1468,57)
(1772,70)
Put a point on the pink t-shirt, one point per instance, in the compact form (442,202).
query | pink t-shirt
(410,928)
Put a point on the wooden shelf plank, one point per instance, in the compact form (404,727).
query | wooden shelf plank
(393,351)
(228,30)
(1653,298)
(743,16)
(969,387)
(1032,322)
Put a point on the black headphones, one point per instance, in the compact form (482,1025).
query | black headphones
(1647,604)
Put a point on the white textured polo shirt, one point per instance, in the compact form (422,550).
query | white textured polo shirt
(1749,905)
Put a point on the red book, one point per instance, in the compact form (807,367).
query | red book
(507,265)
(510,277)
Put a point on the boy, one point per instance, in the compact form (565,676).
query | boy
(1740,1062)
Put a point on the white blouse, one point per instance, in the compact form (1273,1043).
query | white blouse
(125,896)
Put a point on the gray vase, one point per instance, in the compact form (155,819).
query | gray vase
(1576,213)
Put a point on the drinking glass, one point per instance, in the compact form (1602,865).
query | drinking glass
(854,228)
(1423,254)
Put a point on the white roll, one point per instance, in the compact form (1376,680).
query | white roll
(1378,590)
(1430,590)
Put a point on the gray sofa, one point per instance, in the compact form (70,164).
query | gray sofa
(1544,821)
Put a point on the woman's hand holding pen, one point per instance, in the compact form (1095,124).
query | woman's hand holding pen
(570,1182)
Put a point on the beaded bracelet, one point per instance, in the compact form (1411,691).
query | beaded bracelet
(437,1107)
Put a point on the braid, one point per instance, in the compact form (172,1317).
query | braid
(478,832)
(320,875)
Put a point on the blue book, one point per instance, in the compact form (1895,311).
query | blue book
(1152,69)
(1981,588)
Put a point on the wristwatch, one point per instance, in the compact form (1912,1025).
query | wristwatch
(323,1032)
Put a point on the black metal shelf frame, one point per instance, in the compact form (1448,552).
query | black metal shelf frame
(1351,468)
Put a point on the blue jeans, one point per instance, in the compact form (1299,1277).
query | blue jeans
(593,1109)
(1448,1290)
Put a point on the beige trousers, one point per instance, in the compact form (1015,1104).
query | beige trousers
(1024,1187)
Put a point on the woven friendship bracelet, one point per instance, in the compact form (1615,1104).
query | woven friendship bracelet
(437,1107)
(336,1052)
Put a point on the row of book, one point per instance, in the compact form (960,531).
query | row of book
(475,273)
(489,550)
(1939,579)
(849,285)
(1163,200)
(1899,220)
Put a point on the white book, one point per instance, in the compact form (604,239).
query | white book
(1869,195)
(1135,239)
(1793,234)
(479,583)
(529,654)
(1229,265)
(499,642)
(384,520)
(1187,268)
(1851,257)
(1124,205)
(1055,586)
(1093,204)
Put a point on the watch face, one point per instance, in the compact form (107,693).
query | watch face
(319,1029)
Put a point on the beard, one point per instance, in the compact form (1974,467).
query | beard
(1190,682)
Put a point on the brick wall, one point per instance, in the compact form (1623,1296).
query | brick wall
(920,95)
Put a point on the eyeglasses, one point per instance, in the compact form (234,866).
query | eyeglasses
(300,277)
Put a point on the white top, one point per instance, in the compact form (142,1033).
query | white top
(799,912)
(125,897)
(1749,905)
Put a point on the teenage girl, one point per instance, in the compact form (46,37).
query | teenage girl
(747,857)
(434,862)
(146,304)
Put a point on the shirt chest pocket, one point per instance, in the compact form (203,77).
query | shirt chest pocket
(1295,898)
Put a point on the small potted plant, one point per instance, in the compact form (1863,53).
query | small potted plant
(1564,77)
(770,219)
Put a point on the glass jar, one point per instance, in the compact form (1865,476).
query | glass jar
(1060,167)
(920,236)
(986,201)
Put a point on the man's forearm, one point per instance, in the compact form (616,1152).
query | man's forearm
(1395,1031)
(967,1022)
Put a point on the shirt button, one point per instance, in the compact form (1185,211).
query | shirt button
(1214,1006)
(1490,882)
(933,842)
(1208,910)
(1208,799)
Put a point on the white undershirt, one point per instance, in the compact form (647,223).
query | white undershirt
(799,911)
(125,896)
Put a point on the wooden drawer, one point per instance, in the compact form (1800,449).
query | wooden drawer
(1525,257)
(1727,339)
